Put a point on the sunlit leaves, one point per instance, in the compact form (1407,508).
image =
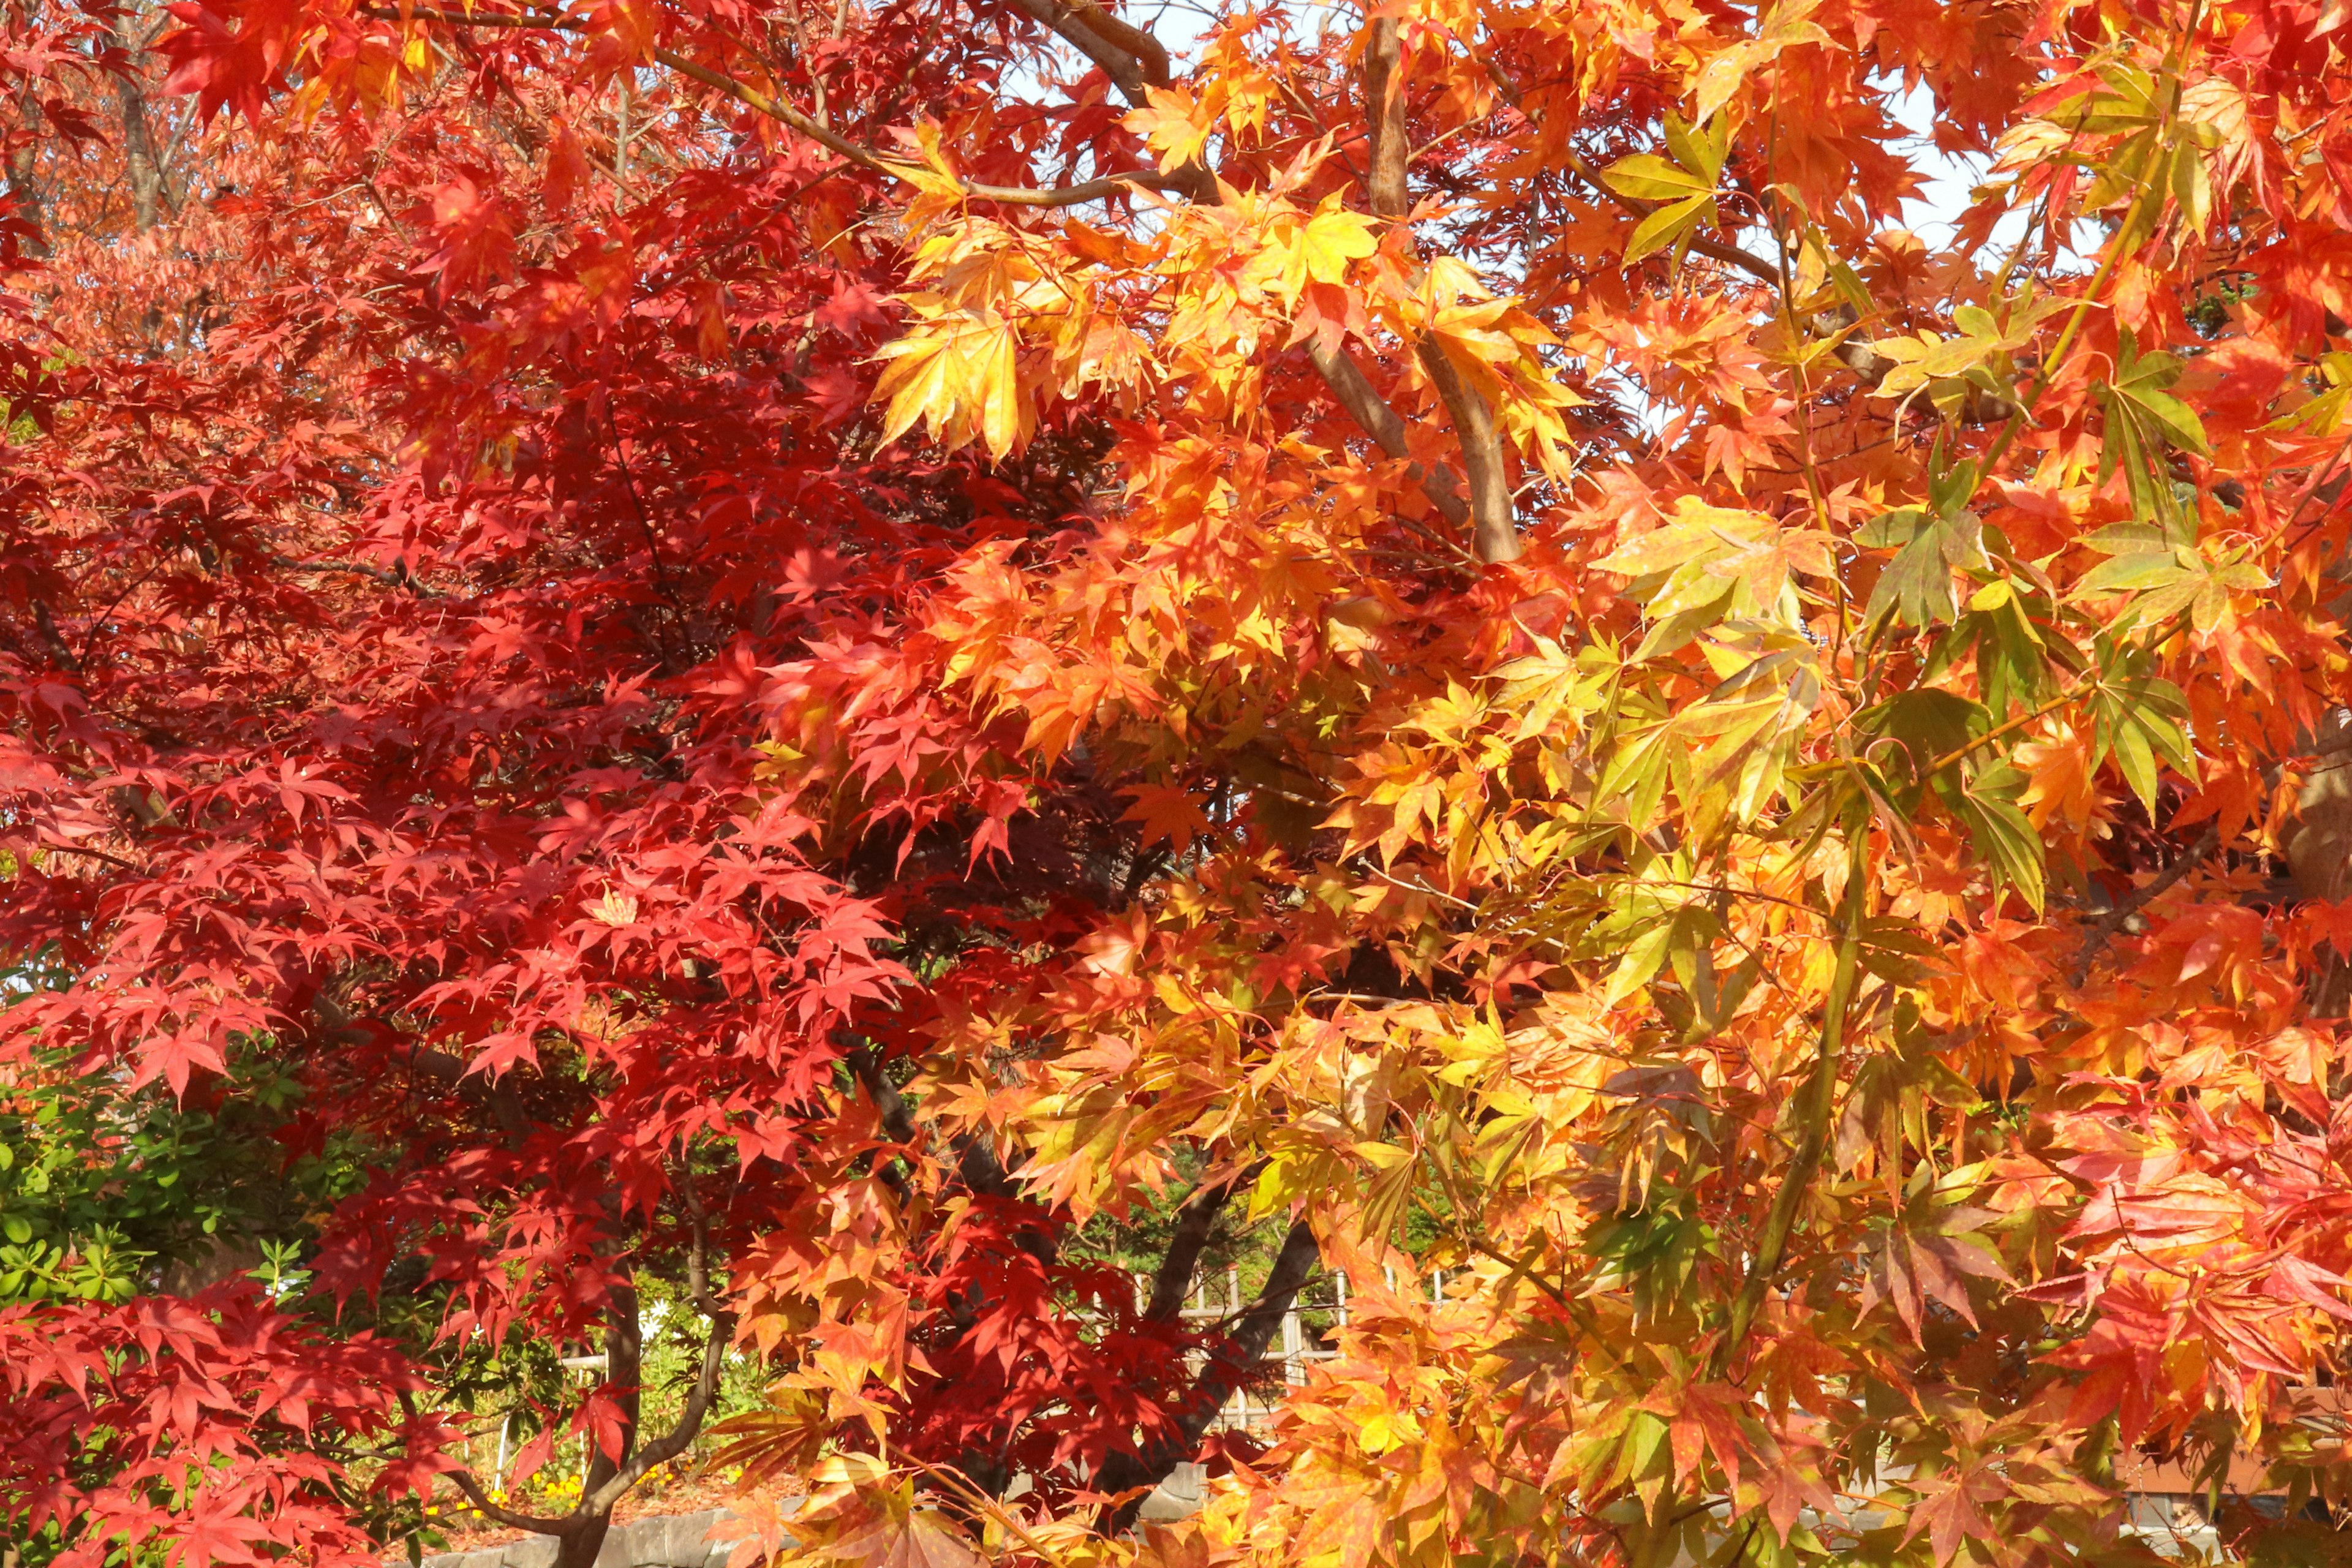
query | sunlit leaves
(2143,421)
(2141,719)
(1988,802)
(1930,1249)
(1329,240)
(858,1519)
(1683,185)
(1979,356)
(961,375)
(1173,125)
(1914,588)
(477,230)
(2165,575)
(1709,564)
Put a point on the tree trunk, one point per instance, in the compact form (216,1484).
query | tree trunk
(142,168)
(220,1259)
(623,1359)
(1230,1369)
(23,193)
(2319,849)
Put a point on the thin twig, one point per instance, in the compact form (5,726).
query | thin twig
(2139,898)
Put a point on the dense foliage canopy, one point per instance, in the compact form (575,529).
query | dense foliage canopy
(857,667)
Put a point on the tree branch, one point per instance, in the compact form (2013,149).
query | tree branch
(1372,412)
(441,1067)
(2190,858)
(145,170)
(976,1163)
(897,1119)
(706,1382)
(2146,893)
(1226,1370)
(1085,32)
(1493,536)
(1172,1282)
(1149,52)
(1384,127)
(1255,1328)
(480,1501)
(777,110)
(596,1505)
(399,578)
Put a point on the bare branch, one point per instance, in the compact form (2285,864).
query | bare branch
(697,1402)
(1384,116)
(1369,410)
(1493,536)
(1084,33)
(537,1524)
(149,195)
(2146,893)
(897,1119)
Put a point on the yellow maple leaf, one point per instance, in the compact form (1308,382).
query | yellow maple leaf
(1172,124)
(961,372)
(1332,238)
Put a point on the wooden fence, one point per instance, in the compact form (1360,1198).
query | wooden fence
(1299,1342)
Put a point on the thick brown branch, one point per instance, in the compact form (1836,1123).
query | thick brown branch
(976,1163)
(1245,1345)
(141,165)
(538,1524)
(601,1499)
(1384,127)
(1149,52)
(1172,1282)
(1231,1367)
(1085,32)
(1493,536)
(394,579)
(45,624)
(505,1105)
(1369,410)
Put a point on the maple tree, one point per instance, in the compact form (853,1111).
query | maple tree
(853,665)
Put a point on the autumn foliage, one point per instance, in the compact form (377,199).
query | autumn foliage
(857,662)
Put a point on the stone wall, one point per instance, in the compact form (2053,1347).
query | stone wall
(683,1540)
(672,1541)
